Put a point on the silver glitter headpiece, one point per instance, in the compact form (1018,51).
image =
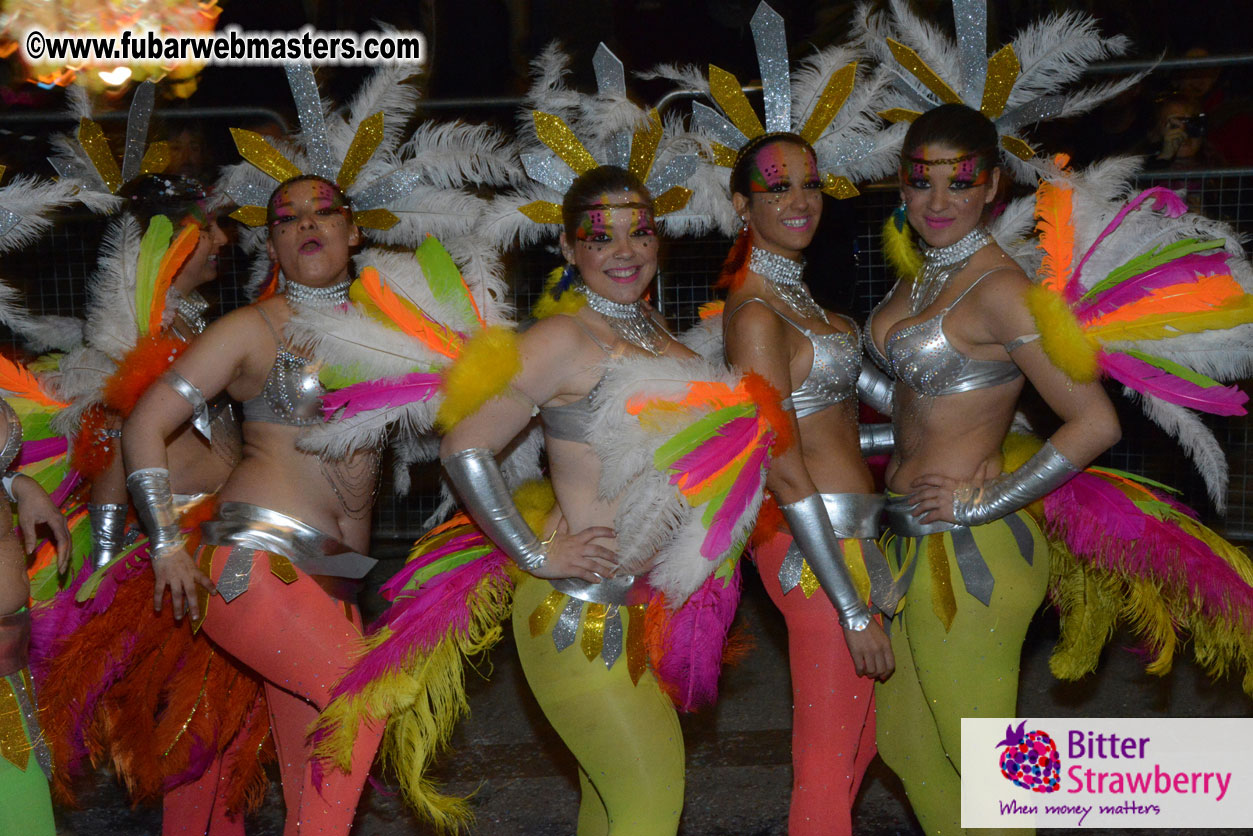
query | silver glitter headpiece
(567,146)
(838,121)
(1020,84)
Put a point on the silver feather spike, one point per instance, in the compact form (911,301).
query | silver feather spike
(611,81)
(970,17)
(304,90)
(137,121)
(776,85)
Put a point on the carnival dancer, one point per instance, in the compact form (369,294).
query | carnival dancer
(25,762)
(772,326)
(287,540)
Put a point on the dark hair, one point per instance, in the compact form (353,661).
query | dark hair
(174,196)
(956,125)
(589,186)
(740,174)
(301,178)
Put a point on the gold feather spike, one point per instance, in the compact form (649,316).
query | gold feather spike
(91,137)
(1003,69)
(156,158)
(255,149)
(542,212)
(594,630)
(839,188)
(726,90)
(364,143)
(1019,148)
(556,134)
(644,147)
(832,98)
(911,61)
(671,200)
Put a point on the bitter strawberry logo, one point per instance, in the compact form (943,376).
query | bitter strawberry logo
(1030,759)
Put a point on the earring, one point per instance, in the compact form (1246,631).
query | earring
(898,216)
(568,274)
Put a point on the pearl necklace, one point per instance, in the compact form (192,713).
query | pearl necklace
(317,297)
(940,264)
(784,277)
(630,321)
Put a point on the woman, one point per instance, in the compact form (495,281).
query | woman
(960,341)
(625,735)
(25,761)
(287,538)
(774,328)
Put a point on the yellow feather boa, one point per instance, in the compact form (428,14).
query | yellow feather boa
(1062,337)
(549,305)
(488,362)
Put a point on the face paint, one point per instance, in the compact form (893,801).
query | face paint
(769,170)
(973,169)
(323,199)
(596,222)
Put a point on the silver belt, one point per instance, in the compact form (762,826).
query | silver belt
(624,590)
(248,527)
(901,520)
(853,516)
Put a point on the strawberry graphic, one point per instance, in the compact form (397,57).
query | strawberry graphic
(1030,759)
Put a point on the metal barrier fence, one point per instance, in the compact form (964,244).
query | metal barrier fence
(52,275)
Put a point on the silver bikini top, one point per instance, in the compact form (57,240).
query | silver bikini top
(572,421)
(833,374)
(921,357)
(292,392)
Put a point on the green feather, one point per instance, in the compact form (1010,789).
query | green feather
(445,279)
(155,242)
(1171,367)
(447,563)
(1135,477)
(696,434)
(1153,258)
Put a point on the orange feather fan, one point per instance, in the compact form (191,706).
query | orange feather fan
(1053,206)
(152,354)
(770,404)
(20,383)
(408,317)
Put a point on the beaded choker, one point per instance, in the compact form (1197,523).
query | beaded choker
(192,309)
(940,264)
(784,277)
(630,321)
(317,297)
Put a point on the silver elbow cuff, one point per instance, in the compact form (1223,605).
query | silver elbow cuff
(191,393)
(1039,476)
(108,531)
(476,477)
(876,439)
(811,529)
(154,503)
(875,388)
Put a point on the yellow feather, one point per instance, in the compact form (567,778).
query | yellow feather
(547,306)
(1061,335)
(1167,325)
(899,250)
(488,362)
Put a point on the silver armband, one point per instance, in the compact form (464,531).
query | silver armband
(477,479)
(154,503)
(12,440)
(811,529)
(876,439)
(191,393)
(1039,476)
(108,530)
(6,481)
(875,388)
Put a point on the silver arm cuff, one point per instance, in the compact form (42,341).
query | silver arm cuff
(811,529)
(6,481)
(191,393)
(13,439)
(876,439)
(477,479)
(875,388)
(1039,476)
(108,530)
(154,503)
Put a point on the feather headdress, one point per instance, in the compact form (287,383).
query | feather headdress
(1021,84)
(1151,295)
(827,100)
(567,133)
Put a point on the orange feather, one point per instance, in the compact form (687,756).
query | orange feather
(17,382)
(1053,206)
(1204,294)
(770,405)
(175,256)
(408,317)
(152,354)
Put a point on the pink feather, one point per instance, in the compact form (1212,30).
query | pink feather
(1187,268)
(1164,200)
(1150,380)
(1094,519)
(419,622)
(713,455)
(747,487)
(696,637)
(396,583)
(37,451)
(380,394)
